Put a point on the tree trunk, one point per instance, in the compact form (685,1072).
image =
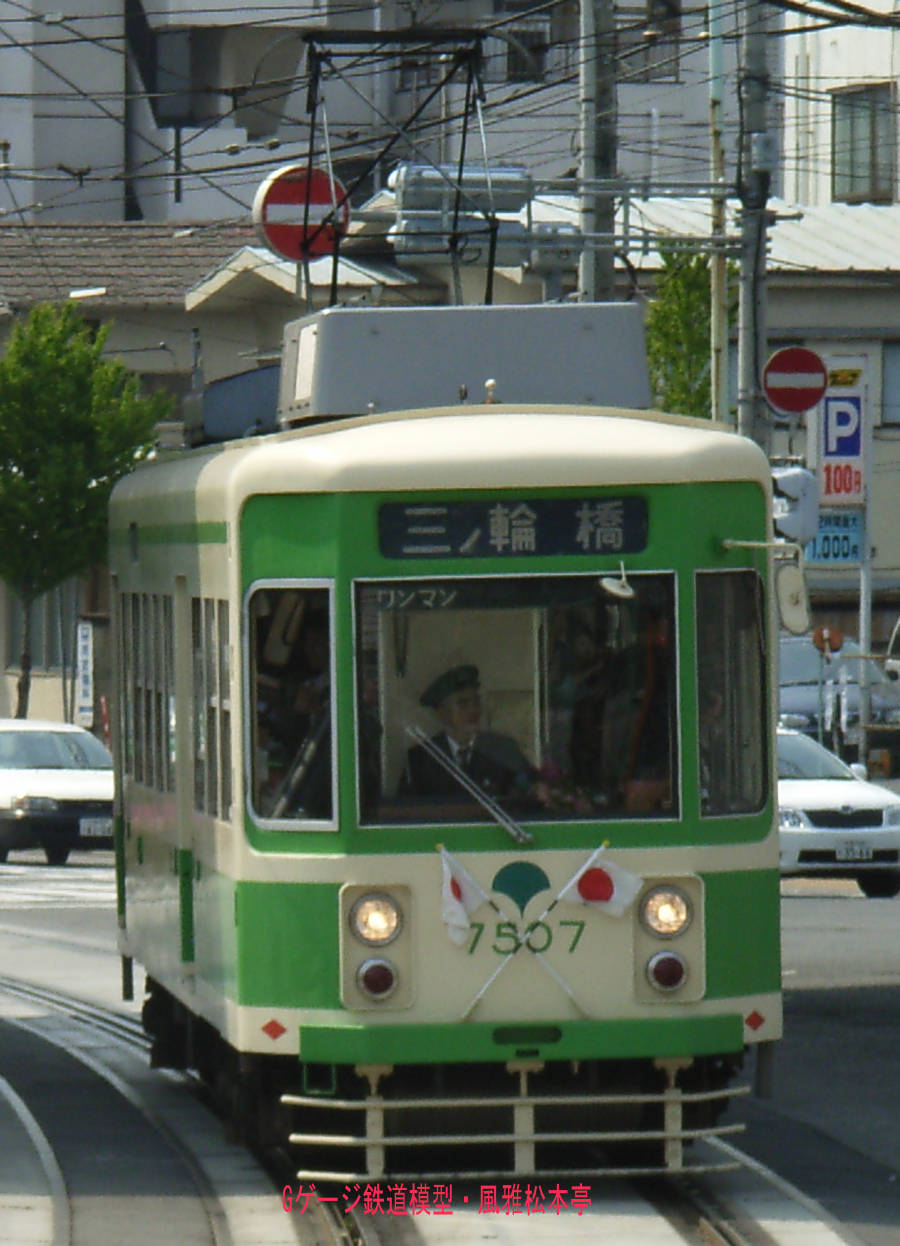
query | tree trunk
(23,688)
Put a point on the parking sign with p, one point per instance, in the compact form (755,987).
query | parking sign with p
(841,476)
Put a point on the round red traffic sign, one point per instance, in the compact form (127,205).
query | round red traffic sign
(794,380)
(828,639)
(301,212)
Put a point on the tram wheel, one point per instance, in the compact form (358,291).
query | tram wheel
(55,854)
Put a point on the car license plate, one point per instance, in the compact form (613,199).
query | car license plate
(94,828)
(853,852)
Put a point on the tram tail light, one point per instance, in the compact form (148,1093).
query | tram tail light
(377,978)
(666,971)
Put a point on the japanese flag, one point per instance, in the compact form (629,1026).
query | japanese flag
(605,886)
(460,897)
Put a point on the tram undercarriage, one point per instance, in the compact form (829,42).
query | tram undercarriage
(523,1117)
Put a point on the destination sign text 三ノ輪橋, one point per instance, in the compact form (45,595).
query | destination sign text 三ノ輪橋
(513,527)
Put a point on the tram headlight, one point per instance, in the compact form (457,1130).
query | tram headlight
(666,911)
(376,919)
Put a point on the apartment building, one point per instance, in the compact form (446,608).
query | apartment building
(175,110)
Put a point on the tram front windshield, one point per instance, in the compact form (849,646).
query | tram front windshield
(550,697)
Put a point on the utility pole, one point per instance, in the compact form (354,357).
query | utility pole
(597,91)
(718,266)
(756,170)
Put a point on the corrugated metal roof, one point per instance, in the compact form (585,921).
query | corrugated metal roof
(154,264)
(831,238)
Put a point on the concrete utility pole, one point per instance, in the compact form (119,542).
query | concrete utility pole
(597,90)
(718,267)
(756,170)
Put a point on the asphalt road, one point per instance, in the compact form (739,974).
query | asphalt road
(832,1126)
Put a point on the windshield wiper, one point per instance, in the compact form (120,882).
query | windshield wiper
(497,812)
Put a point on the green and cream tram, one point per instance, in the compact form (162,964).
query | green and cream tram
(445,826)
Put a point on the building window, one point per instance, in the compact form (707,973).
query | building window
(890,383)
(648,41)
(53,621)
(518,52)
(862,143)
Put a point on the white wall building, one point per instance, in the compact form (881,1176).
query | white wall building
(177,110)
(839,110)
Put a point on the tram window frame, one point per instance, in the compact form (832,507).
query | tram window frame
(147,644)
(381,662)
(128,636)
(732,690)
(211,714)
(263,785)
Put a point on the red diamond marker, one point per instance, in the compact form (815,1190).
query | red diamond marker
(274,1029)
(755,1020)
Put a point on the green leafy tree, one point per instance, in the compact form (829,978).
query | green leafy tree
(678,335)
(71,423)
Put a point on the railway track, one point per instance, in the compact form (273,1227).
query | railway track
(113,1150)
(226,1198)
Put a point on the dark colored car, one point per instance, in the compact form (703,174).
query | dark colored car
(56,789)
(820,696)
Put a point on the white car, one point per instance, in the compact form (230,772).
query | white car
(834,822)
(56,789)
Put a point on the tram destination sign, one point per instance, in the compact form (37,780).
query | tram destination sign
(513,527)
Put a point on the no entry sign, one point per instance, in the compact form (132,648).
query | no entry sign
(301,212)
(794,380)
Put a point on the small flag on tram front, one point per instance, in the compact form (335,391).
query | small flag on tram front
(609,887)
(460,897)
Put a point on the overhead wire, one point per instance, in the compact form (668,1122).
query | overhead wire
(514,110)
(504,21)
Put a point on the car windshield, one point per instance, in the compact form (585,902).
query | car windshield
(799,757)
(52,750)
(800,662)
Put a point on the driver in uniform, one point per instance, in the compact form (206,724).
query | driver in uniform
(492,761)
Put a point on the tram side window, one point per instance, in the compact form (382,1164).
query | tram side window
(148,689)
(127,689)
(732,692)
(212,731)
(552,697)
(290,713)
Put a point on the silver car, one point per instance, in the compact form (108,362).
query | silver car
(834,822)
